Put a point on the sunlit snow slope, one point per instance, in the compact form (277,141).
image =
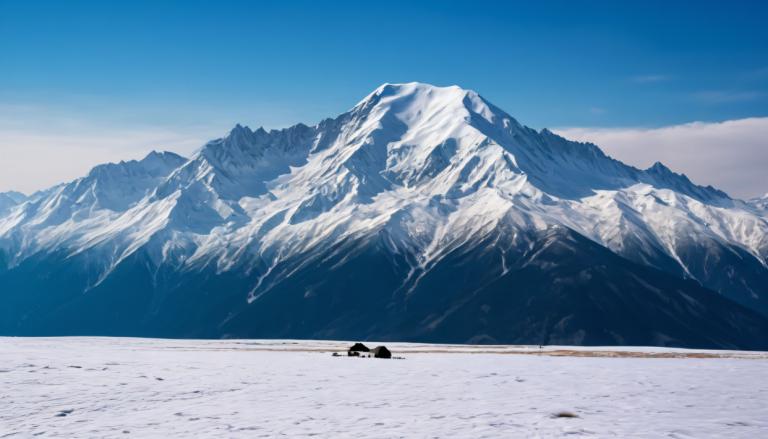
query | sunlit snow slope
(423,213)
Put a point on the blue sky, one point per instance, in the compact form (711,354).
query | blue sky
(189,69)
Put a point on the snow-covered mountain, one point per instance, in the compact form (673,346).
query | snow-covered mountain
(422,213)
(761,203)
(9,200)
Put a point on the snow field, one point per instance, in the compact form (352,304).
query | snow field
(102,387)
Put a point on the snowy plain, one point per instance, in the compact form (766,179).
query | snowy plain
(120,387)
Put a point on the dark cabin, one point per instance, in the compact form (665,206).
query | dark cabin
(355,350)
(382,352)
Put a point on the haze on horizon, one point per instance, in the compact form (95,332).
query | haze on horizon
(83,83)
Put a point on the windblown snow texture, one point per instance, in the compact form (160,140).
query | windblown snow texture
(423,213)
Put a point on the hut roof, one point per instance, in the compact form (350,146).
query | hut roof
(359,347)
(382,352)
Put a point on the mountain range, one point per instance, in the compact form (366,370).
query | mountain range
(421,214)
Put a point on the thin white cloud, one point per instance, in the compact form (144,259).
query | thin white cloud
(596,110)
(40,148)
(647,79)
(730,155)
(755,74)
(727,96)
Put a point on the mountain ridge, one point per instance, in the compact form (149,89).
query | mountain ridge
(424,171)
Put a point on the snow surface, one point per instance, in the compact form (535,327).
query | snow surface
(103,387)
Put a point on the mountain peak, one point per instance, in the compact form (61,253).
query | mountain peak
(240,133)
(761,202)
(659,168)
(161,162)
(16,196)
(397,87)
(664,177)
(424,107)
(240,129)
(154,163)
(161,155)
(416,92)
(10,199)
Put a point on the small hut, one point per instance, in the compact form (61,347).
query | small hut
(381,352)
(355,350)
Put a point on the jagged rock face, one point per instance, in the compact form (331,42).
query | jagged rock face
(430,182)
